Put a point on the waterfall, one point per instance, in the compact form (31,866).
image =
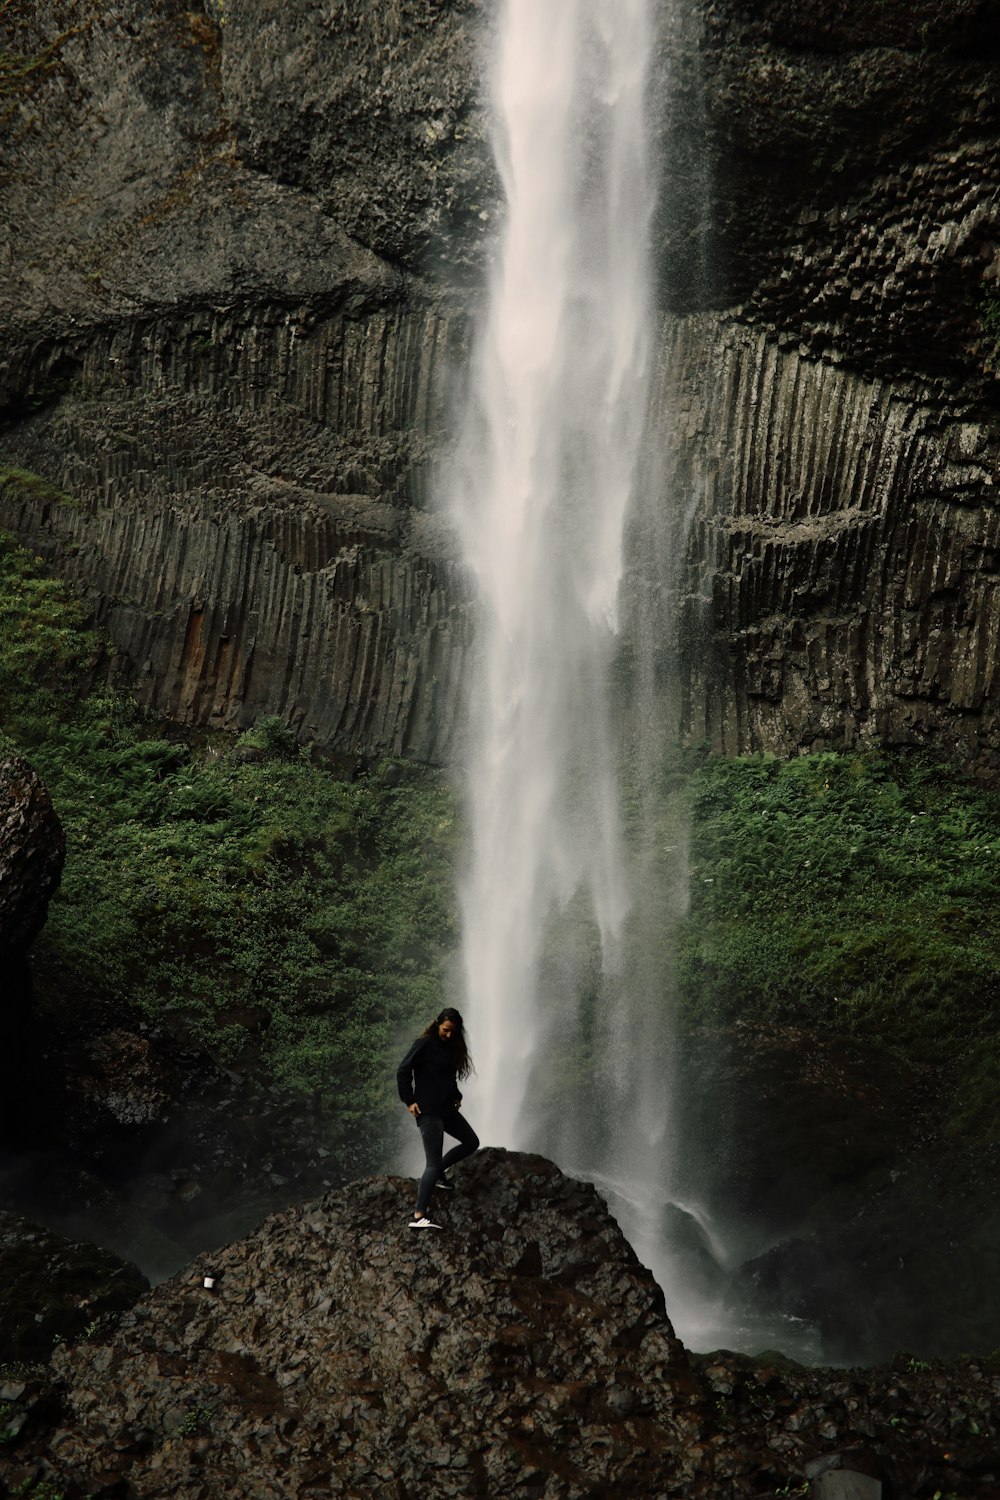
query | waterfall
(562,496)
(549,454)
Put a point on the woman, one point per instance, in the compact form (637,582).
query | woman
(428,1085)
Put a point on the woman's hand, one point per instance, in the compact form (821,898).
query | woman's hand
(414,1109)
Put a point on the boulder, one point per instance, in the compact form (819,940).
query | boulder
(115,1132)
(341,1353)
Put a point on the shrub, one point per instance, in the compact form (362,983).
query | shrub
(850,892)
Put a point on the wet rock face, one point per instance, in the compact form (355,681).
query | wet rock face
(786,1116)
(32,848)
(839,1199)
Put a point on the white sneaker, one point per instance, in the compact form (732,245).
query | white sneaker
(423,1223)
(444,1181)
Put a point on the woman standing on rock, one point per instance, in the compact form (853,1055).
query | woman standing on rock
(428,1085)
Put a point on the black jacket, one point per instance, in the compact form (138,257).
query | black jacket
(427,1075)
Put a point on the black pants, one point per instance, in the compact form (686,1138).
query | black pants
(433,1129)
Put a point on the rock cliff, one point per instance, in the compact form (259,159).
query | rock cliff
(520,1351)
(839,583)
(240,263)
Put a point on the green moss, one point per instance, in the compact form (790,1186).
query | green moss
(34,487)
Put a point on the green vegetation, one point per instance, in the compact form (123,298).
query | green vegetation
(46,651)
(41,1489)
(267,906)
(197,1419)
(856,893)
(238,894)
(34,487)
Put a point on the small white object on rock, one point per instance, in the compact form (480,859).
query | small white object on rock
(209,1283)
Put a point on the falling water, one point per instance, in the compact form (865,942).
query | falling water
(549,458)
(577,869)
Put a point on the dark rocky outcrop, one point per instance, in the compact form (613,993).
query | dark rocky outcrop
(32,848)
(520,1351)
(111,1130)
(54,1289)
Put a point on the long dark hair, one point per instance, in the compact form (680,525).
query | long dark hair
(463,1059)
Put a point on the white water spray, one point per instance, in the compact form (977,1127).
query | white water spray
(556,411)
